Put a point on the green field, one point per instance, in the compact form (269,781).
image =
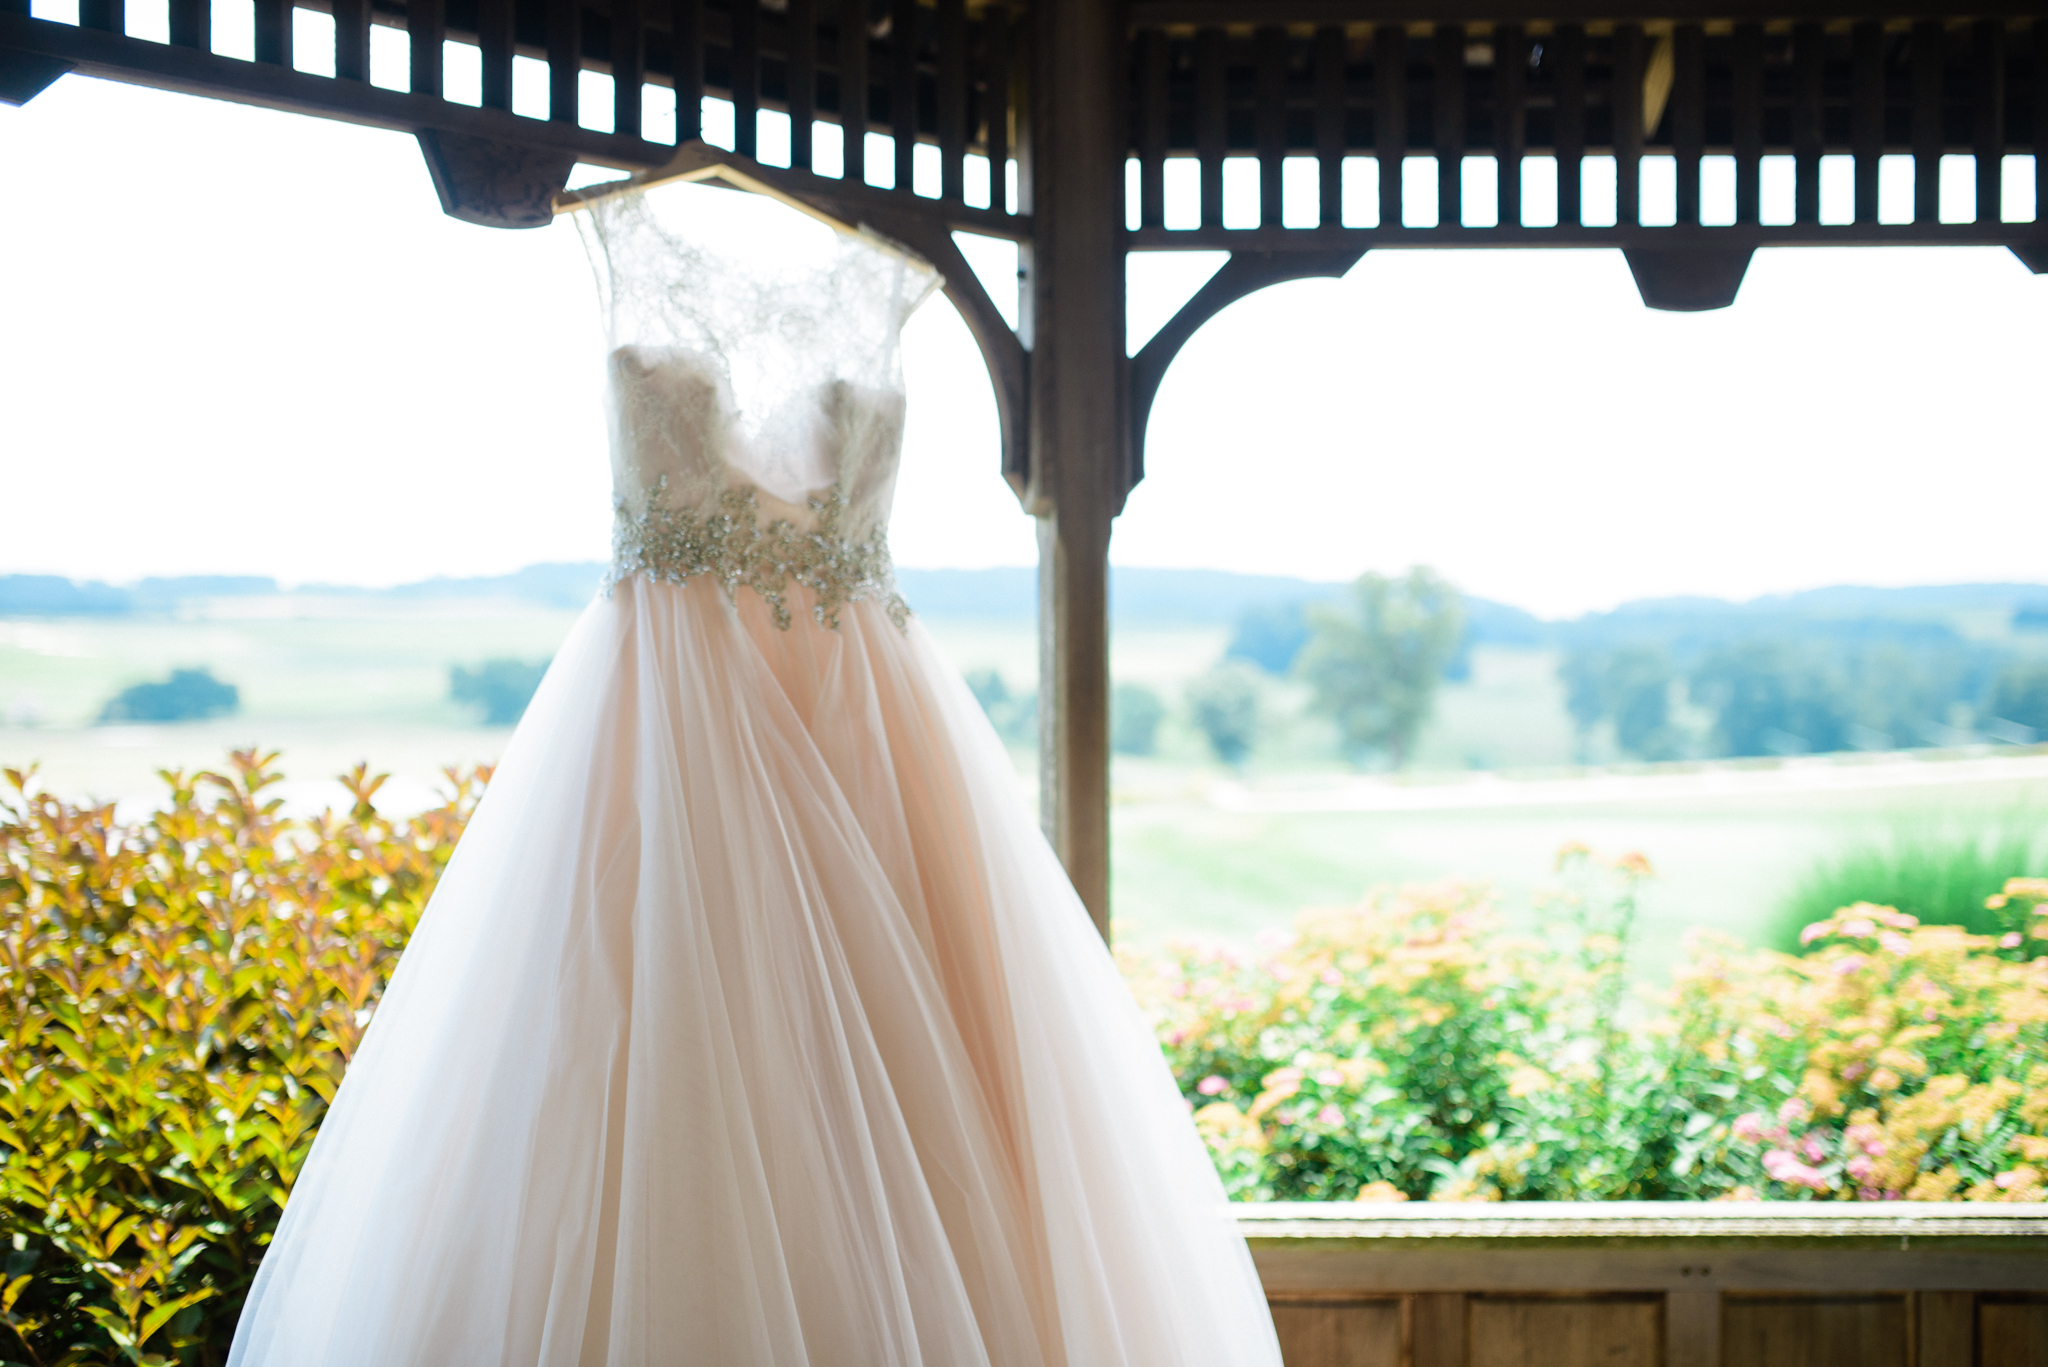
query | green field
(335,679)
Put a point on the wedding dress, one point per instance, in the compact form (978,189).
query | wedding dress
(753,1022)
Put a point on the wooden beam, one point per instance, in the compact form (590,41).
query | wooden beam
(1079,451)
(2021,237)
(1221,13)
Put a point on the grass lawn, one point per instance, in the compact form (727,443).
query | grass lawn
(331,681)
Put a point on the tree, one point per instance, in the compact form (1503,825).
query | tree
(1373,664)
(1135,712)
(1014,715)
(1270,635)
(1773,697)
(1225,706)
(188,695)
(502,688)
(1631,687)
(2020,696)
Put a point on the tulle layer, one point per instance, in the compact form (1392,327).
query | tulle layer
(754,1023)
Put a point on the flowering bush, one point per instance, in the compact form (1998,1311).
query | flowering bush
(1412,1047)
(179,996)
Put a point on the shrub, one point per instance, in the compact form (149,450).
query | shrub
(188,695)
(1224,705)
(179,997)
(1940,874)
(1411,1047)
(501,688)
(2019,697)
(1014,716)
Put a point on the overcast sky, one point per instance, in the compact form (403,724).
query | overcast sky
(241,341)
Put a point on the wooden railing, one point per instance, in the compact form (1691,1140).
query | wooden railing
(1675,1284)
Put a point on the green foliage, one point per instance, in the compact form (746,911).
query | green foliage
(500,688)
(2020,696)
(1630,686)
(1224,705)
(179,997)
(1782,695)
(188,695)
(1015,716)
(1412,1048)
(1135,712)
(1373,665)
(1940,873)
(1270,636)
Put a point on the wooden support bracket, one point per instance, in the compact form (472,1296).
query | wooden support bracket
(1246,272)
(495,184)
(2033,255)
(1686,280)
(25,75)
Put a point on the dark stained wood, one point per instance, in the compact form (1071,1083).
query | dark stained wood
(2011,1332)
(1330,111)
(1815,1331)
(853,87)
(1212,92)
(629,65)
(1447,69)
(1438,1329)
(801,80)
(744,75)
(996,103)
(1565,1332)
(952,99)
(494,184)
(426,28)
(1510,114)
(1987,118)
(273,29)
(1688,114)
(1809,51)
(1269,116)
(1945,1327)
(686,18)
(351,39)
(1339,1333)
(1153,118)
(1746,120)
(1629,62)
(1191,13)
(1390,116)
(1928,42)
(565,47)
(1568,120)
(111,16)
(1080,446)
(494,52)
(2024,237)
(191,24)
(2040,113)
(1866,112)
(1692,1328)
(903,35)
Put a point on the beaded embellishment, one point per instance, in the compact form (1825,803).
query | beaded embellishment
(731,544)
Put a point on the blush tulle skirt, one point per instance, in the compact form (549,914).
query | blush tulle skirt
(754,1023)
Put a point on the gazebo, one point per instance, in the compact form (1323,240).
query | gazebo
(1419,124)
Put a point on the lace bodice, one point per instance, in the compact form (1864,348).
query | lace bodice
(755,394)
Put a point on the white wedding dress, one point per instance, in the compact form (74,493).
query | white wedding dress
(753,1021)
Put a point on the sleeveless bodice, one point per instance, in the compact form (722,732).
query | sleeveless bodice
(755,398)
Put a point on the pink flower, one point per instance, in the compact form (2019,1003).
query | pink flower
(2010,940)
(1862,928)
(1813,932)
(1895,943)
(1332,978)
(1750,1128)
(1785,1167)
(1330,1077)
(1796,1110)
(1212,1085)
(1861,1166)
(1813,1147)
(1329,1115)
(1847,964)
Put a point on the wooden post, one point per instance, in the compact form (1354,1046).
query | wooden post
(1079,393)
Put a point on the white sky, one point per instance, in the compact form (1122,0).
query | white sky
(244,342)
